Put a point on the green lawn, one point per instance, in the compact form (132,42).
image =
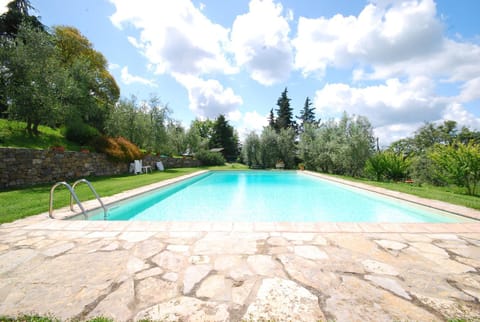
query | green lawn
(16,204)
(454,195)
(13,134)
(20,203)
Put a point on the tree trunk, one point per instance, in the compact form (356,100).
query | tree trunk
(35,128)
(29,127)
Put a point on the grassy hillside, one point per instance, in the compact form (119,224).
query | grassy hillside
(13,134)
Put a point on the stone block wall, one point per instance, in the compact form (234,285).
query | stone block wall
(26,167)
(151,160)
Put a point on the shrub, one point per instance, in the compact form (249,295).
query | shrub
(210,158)
(80,132)
(119,149)
(387,165)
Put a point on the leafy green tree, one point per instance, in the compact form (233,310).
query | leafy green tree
(18,14)
(89,68)
(204,128)
(458,163)
(251,151)
(269,148)
(224,136)
(307,115)
(337,147)
(177,140)
(284,112)
(286,147)
(34,79)
(271,119)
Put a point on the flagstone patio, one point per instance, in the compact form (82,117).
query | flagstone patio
(240,272)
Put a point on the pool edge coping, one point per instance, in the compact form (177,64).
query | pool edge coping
(431,203)
(43,222)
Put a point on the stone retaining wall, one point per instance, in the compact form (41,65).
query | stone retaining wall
(26,167)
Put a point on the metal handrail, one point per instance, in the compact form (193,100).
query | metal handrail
(94,192)
(72,194)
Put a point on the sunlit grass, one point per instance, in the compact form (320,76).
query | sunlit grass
(450,194)
(21,203)
(13,134)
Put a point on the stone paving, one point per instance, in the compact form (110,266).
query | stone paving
(180,271)
(240,272)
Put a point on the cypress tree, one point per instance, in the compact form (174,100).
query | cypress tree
(307,115)
(284,112)
(271,119)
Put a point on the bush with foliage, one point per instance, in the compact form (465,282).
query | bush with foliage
(209,158)
(458,163)
(387,165)
(118,149)
(80,132)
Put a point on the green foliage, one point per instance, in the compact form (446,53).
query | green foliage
(337,147)
(387,165)
(33,78)
(13,134)
(17,15)
(224,136)
(458,163)
(251,150)
(271,147)
(81,133)
(307,115)
(209,158)
(143,123)
(96,91)
(284,112)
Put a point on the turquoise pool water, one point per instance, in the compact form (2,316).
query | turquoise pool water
(267,196)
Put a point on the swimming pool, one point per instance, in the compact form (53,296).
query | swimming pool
(267,196)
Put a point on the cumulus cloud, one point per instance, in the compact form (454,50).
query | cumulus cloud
(381,34)
(394,132)
(251,122)
(265,51)
(208,98)
(470,90)
(389,103)
(458,113)
(128,78)
(175,36)
(3,6)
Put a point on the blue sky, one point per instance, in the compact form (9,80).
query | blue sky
(400,63)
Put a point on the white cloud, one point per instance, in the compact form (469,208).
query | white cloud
(208,98)
(389,103)
(381,34)
(175,36)
(113,66)
(3,6)
(470,90)
(260,42)
(394,132)
(458,113)
(251,122)
(128,78)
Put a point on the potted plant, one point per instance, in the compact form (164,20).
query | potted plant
(301,166)
(58,148)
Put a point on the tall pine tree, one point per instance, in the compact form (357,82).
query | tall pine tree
(307,115)
(271,119)
(284,112)
(224,136)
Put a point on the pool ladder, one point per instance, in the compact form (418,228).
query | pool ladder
(73,196)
